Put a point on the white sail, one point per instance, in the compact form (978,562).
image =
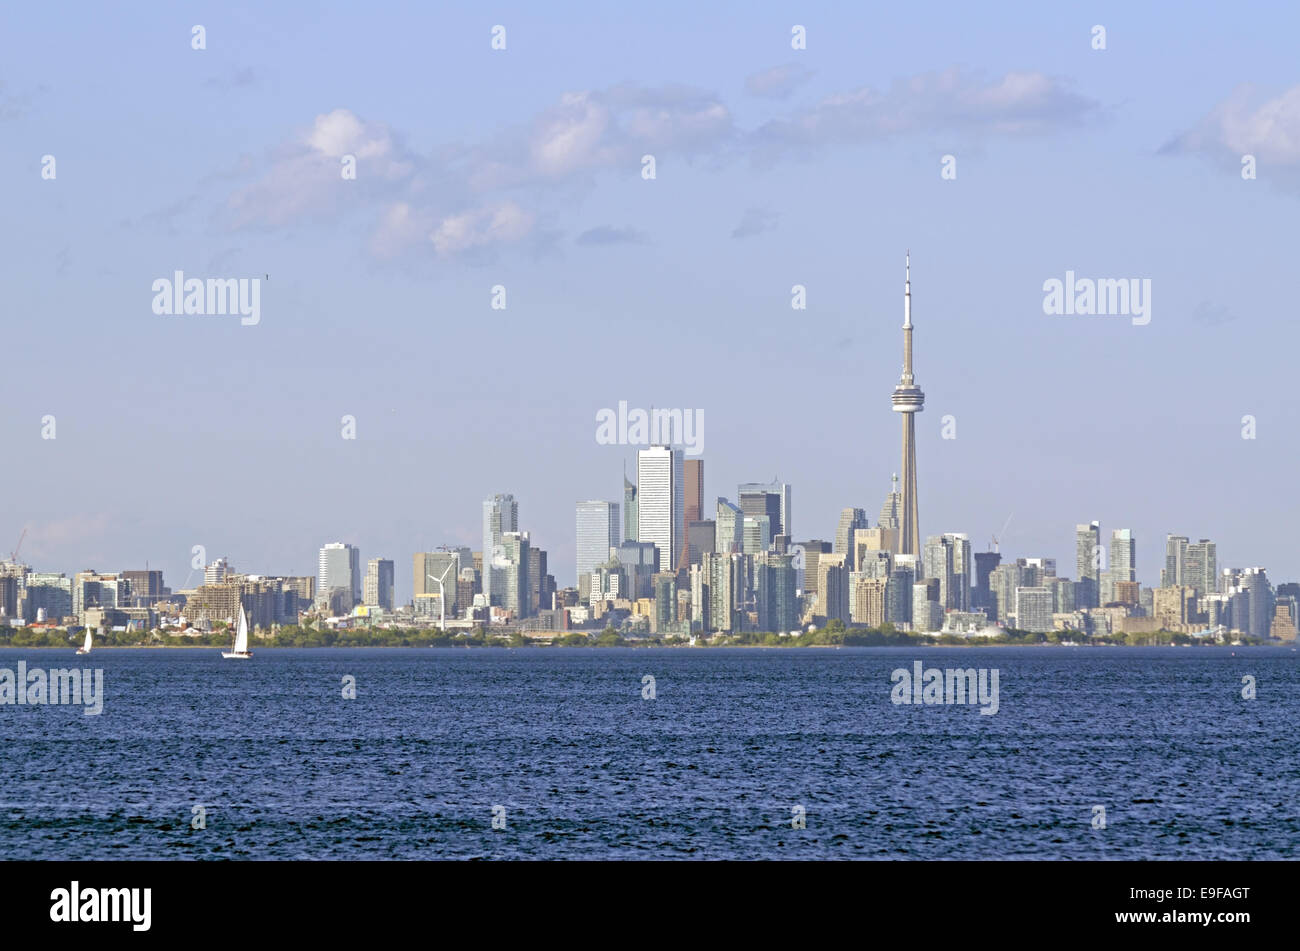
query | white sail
(241,638)
(86,648)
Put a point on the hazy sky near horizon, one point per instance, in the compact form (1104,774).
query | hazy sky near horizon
(522,167)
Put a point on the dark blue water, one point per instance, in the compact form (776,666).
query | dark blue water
(711,768)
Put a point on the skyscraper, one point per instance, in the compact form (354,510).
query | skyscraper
(1175,561)
(378,589)
(693,470)
(729,530)
(598,532)
(339,578)
(661,502)
(1087,544)
(851,519)
(908,400)
(500,515)
(1201,567)
(629,510)
(767,498)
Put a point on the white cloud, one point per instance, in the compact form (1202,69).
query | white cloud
(1247,123)
(777,82)
(952,102)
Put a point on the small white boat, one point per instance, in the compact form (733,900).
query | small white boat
(241,640)
(85,648)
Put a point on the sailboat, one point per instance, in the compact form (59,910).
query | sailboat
(85,648)
(241,639)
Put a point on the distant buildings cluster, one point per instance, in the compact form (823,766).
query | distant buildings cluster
(663,562)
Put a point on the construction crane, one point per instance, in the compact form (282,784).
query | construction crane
(994,539)
(13,555)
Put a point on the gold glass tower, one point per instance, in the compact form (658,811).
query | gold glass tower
(908,400)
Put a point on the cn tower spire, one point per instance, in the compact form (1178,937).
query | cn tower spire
(908,400)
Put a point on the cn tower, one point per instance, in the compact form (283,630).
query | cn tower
(908,400)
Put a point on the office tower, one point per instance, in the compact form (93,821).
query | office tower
(1175,568)
(500,515)
(430,567)
(338,578)
(701,537)
(981,594)
(693,472)
(812,552)
(513,572)
(891,512)
(908,400)
(640,563)
(599,531)
(629,510)
(541,584)
(1200,567)
(378,591)
(767,498)
(729,528)
(757,534)
(775,596)
(661,513)
(146,587)
(851,520)
(833,587)
(1088,558)
(876,539)
(1034,609)
(90,589)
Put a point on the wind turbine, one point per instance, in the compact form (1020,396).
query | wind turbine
(442,597)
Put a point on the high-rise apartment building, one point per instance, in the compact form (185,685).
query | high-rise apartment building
(1088,562)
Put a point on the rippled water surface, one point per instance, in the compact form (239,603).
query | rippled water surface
(284,767)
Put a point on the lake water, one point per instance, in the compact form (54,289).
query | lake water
(713,767)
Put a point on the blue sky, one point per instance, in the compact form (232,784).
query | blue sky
(521,167)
